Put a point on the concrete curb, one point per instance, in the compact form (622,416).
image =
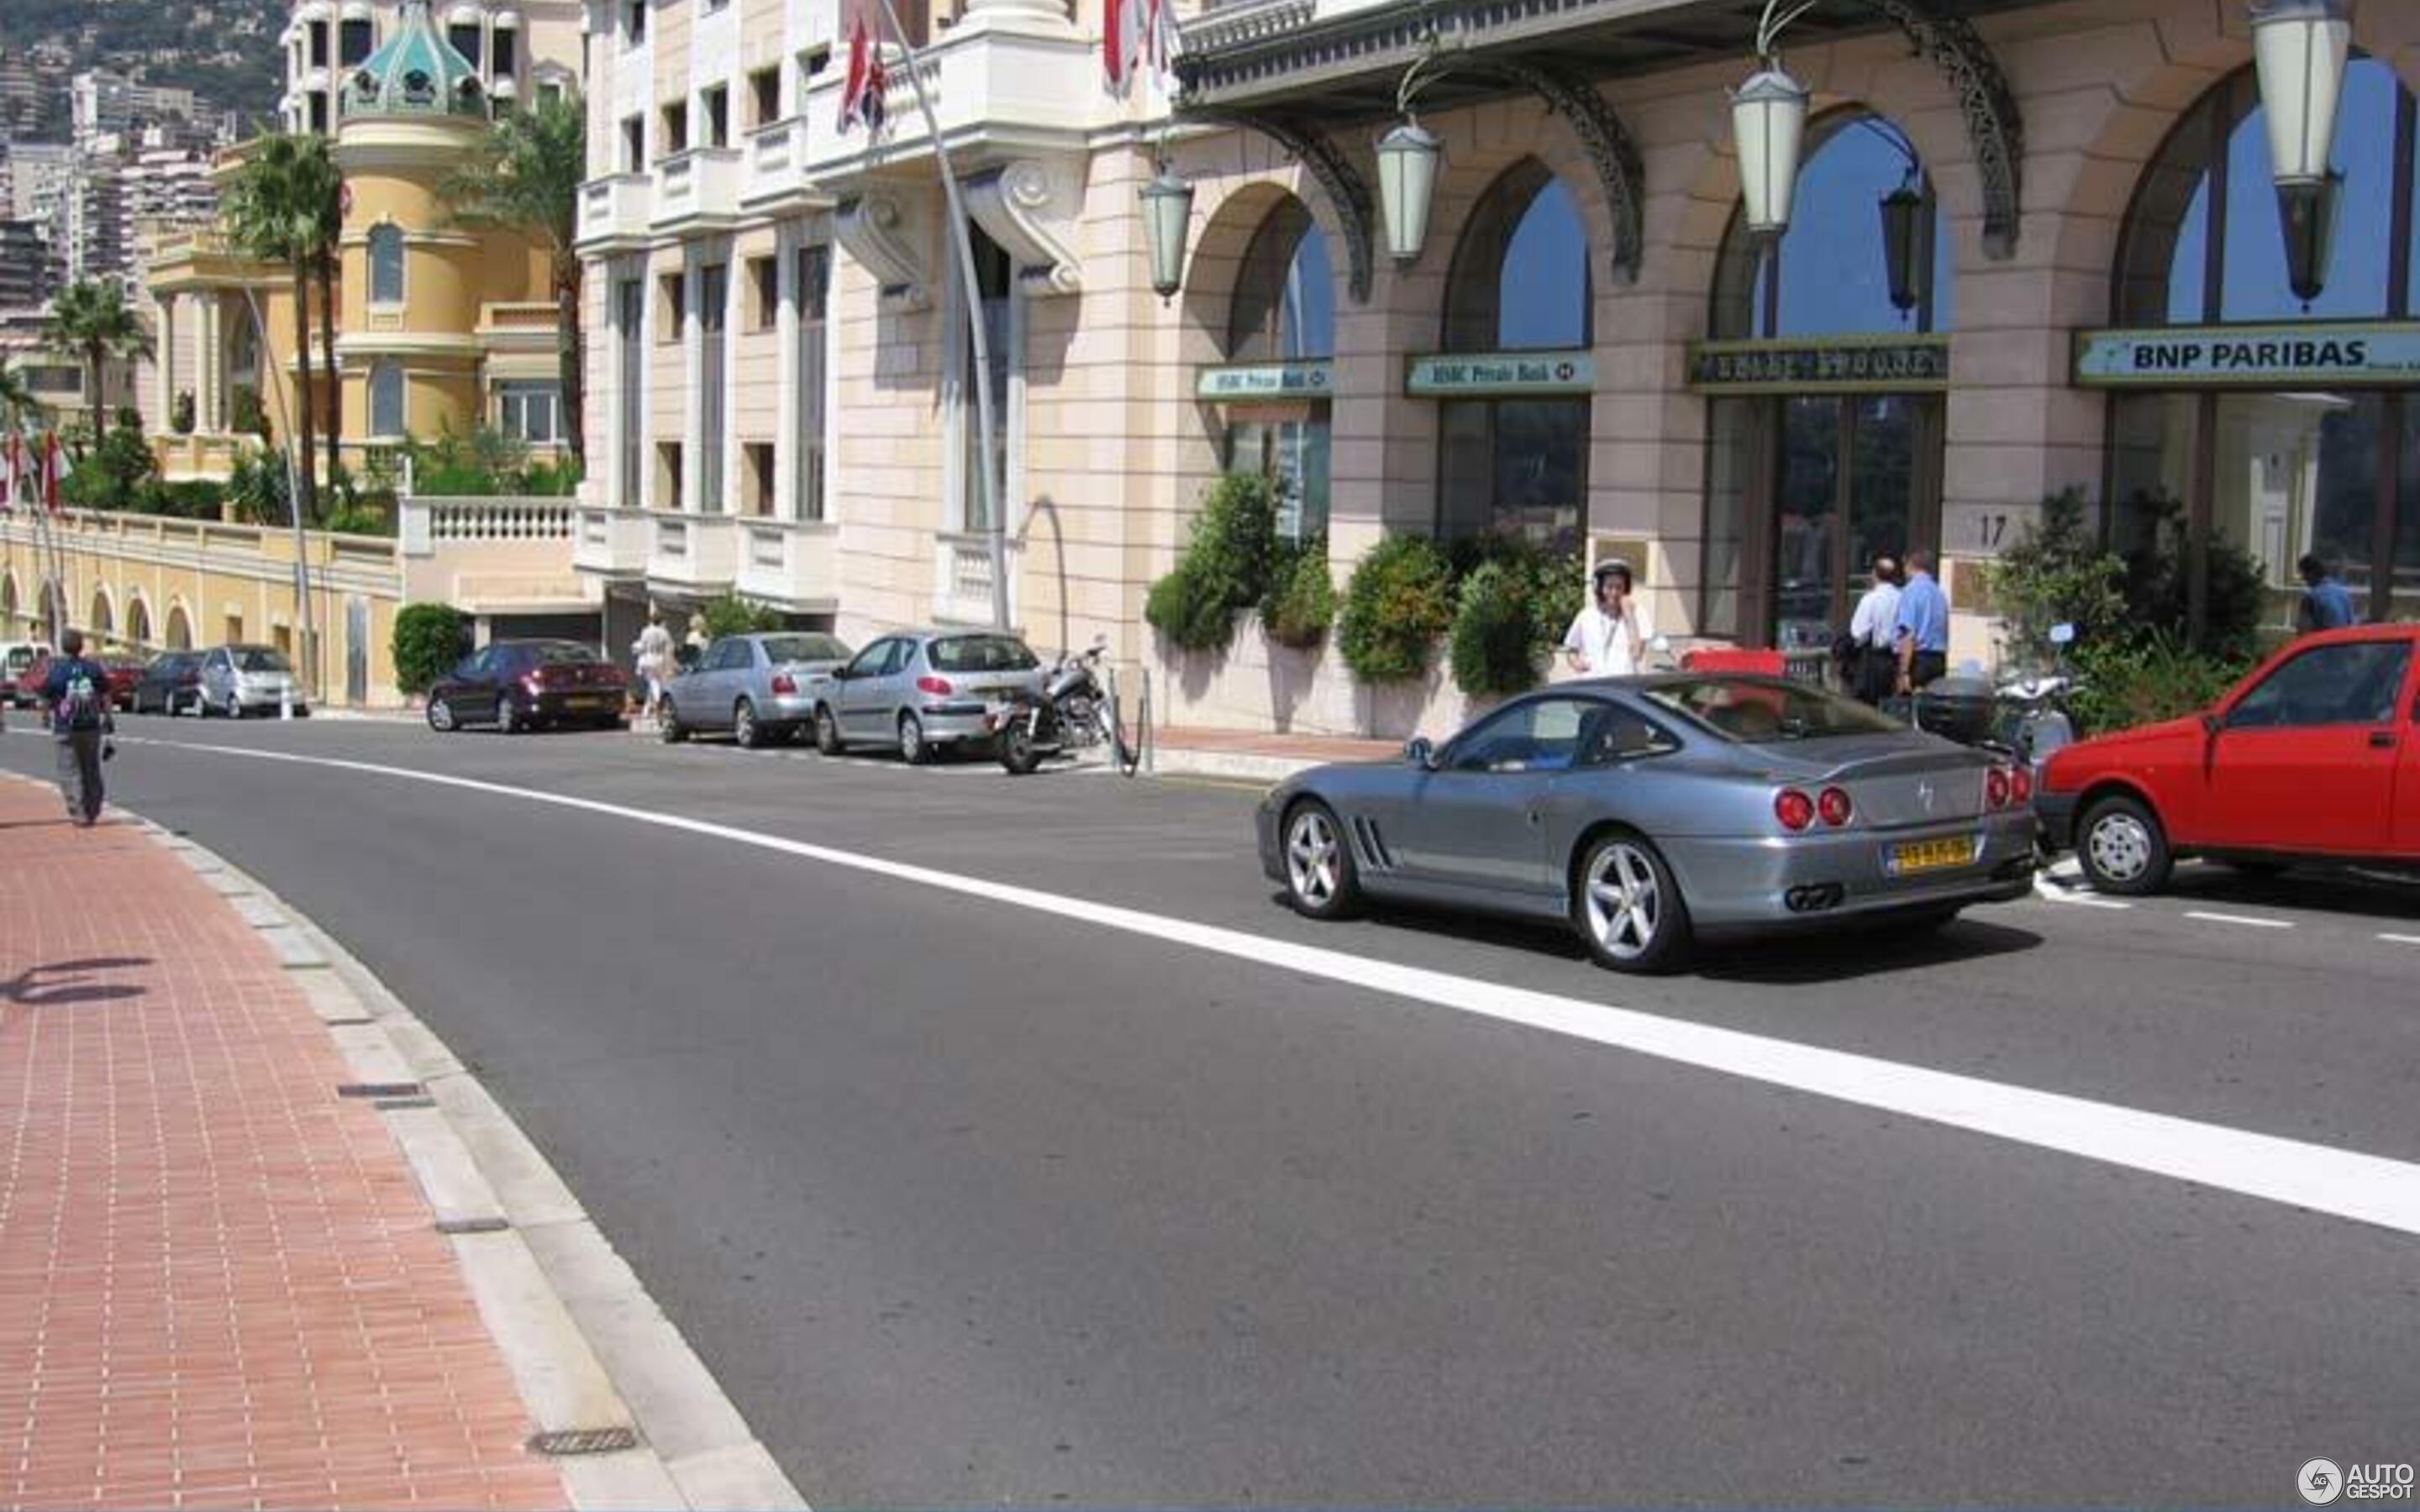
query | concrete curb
(587,1345)
(1243,767)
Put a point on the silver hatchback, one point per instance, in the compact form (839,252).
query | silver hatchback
(920,692)
(761,687)
(240,680)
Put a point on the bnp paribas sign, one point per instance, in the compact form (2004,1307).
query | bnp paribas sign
(2365,355)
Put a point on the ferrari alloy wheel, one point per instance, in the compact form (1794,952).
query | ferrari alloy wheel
(1320,881)
(1628,907)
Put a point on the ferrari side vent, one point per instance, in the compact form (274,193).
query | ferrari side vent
(1373,848)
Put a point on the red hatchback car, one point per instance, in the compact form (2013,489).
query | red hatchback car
(2316,755)
(124,672)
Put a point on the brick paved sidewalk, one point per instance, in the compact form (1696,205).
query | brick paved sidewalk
(219,1282)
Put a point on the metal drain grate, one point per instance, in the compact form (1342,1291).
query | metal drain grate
(472,1226)
(583,1441)
(379,1090)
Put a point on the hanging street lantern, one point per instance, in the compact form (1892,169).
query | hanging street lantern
(1167,220)
(1769,129)
(1408,158)
(2299,48)
(1904,222)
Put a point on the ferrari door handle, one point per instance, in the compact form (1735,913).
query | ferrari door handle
(2383,739)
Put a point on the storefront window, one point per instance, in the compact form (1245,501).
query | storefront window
(1520,282)
(1804,491)
(1284,311)
(2301,469)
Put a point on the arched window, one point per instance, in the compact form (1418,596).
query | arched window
(1805,488)
(104,624)
(1284,311)
(386,264)
(139,623)
(1286,294)
(8,603)
(181,628)
(1520,281)
(387,416)
(2303,467)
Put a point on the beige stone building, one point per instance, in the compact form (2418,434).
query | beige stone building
(2035,246)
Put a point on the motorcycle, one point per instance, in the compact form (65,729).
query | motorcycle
(1073,711)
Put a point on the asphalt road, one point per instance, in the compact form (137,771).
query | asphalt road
(970,1202)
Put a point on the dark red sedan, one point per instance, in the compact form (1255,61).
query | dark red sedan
(2316,755)
(521,685)
(124,672)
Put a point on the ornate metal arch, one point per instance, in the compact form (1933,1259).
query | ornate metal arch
(1607,142)
(1338,179)
(1993,124)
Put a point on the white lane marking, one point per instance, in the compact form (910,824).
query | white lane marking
(2402,939)
(2366,1188)
(2247,920)
(2045,887)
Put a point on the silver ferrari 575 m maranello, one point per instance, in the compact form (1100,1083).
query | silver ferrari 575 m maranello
(1654,812)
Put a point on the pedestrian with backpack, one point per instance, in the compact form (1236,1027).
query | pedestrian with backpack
(77,694)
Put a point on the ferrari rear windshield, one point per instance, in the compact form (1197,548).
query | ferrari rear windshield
(1759,711)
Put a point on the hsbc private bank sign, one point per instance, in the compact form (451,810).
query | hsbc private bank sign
(2374,354)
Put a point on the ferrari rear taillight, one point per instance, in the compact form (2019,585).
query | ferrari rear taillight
(2021,785)
(1835,807)
(1996,787)
(1795,809)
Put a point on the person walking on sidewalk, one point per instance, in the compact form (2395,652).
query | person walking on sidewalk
(654,651)
(76,694)
(1872,632)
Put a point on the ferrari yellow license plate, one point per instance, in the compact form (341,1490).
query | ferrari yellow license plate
(1931,856)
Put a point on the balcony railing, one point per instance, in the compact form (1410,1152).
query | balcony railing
(962,580)
(796,565)
(778,156)
(702,184)
(429,521)
(616,207)
(695,552)
(609,542)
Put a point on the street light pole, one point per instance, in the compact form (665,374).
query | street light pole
(970,293)
(310,649)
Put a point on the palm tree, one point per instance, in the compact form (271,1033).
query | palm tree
(526,178)
(17,402)
(270,215)
(318,191)
(91,320)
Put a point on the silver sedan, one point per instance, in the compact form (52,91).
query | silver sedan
(1652,813)
(920,692)
(761,687)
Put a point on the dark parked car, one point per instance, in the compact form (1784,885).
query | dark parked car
(123,671)
(172,684)
(519,685)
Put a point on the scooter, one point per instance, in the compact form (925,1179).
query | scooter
(2031,714)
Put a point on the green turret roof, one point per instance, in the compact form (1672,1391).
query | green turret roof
(416,73)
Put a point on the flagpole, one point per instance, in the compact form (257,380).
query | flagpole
(969,295)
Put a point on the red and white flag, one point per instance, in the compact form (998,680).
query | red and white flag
(860,96)
(1136,35)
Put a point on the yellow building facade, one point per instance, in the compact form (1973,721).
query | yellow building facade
(440,328)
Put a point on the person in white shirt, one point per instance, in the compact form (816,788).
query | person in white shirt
(1872,629)
(653,651)
(1608,639)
